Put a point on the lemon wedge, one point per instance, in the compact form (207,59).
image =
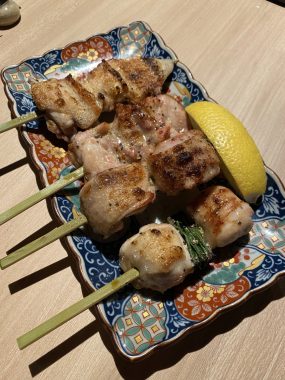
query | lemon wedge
(241,162)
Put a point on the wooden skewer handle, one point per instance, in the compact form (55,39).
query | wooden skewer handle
(18,121)
(75,309)
(40,195)
(42,241)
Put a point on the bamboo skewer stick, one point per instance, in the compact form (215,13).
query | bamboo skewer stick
(42,241)
(40,195)
(18,121)
(77,308)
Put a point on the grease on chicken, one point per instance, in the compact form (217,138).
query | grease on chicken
(146,124)
(132,136)
(159,254)
(168,112)
(222,215)
(72,103)
(183,162)
(114,194)
(96,152)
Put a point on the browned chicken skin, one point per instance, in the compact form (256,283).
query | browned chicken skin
(222,215)
(114,194)
(133,135)
(160,254)
(109,148)
(72,103)
(183,162)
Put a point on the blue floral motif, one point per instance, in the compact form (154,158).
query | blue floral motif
(175,321)
(24,103)
(273,202)
(154,49)
(41,64)
(155,52)
(181,76)
(113,38)
(271,265)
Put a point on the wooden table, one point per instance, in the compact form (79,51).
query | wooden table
(236,49)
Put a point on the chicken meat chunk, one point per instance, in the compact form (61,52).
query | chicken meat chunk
(159,254)
(131,137)
(166,110)
(142,126)
(183,162)
(73,103)
(114,194)
(95,150)
(222,215)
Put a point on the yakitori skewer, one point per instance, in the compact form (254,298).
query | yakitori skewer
(40,195)
(42,241)
(97,149)
(172,251)
(77,102)
(77,308)
(164,254)
(18,121)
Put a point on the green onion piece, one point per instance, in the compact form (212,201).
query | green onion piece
(199,249)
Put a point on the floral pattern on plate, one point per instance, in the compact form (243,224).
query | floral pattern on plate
(200,301)
(138,323)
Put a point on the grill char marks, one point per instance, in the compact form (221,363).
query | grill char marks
(143,80)
(222,215)
(85,95)
(73,103)
(154,67)
(114,194)
(183,162)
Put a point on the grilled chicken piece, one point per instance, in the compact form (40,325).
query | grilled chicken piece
(132,136)
(168,112)
(140,127)
(159,254)
(114,194)
(95,149)
(222,215)
(67,105)
(183,162)
(72,103)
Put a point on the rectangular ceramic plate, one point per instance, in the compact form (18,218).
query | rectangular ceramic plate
(143,321)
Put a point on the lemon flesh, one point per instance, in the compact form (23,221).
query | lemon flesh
(241,162)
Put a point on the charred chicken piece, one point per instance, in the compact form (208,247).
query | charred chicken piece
(114,194)
(132,136)
(140,127)
(183,162)
(73,103)
(159,254)
(222,215)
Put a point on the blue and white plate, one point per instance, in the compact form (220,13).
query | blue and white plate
(143,321)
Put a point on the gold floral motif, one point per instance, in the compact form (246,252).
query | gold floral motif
(205,293)
(58,152)
(218,288)
(91,55)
